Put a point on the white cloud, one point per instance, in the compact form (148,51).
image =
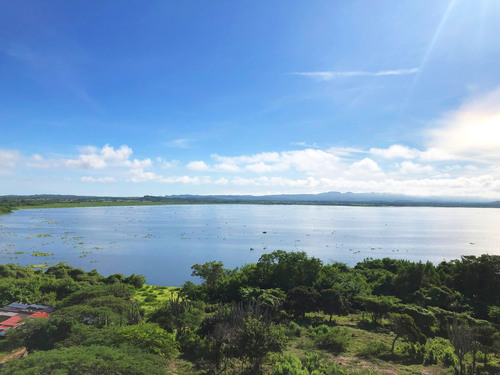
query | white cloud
(198,166)
(305,144)
(266,168)
(9,159)
(483,185)
(395,152)
(405,152)
(226,167)
(139,175)
(345,151)
(116,155)
(364,169)
(179,143)
(308,160)
(183,180)
(221,181)
(471,131)
(329,75)
(248,159)
(97,179)
(92,158)
(366,164)
(409,167)
(167,164)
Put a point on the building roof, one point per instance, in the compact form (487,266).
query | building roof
(42,307)
(39,314)
(16,306)
(11,322)
(7,313)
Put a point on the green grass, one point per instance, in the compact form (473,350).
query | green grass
(151,297)
(367,349)
(90,204)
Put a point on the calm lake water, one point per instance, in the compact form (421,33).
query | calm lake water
(163,242)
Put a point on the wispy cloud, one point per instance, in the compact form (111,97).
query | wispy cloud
(9,158)
(97,179)
(179,143)
(328,75)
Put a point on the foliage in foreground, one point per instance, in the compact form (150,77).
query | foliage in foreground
(286,314)
(87,360)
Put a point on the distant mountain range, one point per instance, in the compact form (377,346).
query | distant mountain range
(334,197)
(329,198)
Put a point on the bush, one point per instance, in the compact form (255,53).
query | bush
(288,364)
(319,330)
(292,329)
(335,340)
(312,363)
(83,360)
(148,337)
(414,351)
(374,349)
(439,350)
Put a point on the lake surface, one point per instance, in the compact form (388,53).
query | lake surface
(163,242)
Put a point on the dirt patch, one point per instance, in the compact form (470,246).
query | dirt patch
(20,353)
(358,363)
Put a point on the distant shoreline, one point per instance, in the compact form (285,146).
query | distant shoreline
(10,203)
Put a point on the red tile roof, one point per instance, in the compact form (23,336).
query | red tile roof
(11,322)
(40,314)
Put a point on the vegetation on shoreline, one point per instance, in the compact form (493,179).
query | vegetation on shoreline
(14,202)
(286,314)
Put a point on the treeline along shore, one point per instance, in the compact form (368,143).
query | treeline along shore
(8,203)
(286,314)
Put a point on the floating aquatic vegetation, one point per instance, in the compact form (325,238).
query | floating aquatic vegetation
(41,266)
(40,254)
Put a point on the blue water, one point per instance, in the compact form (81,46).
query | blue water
(163,242)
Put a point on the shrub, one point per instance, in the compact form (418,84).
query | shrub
(288,364)
(439,350)
(335,340)
(374,348)
(313,363)
(319,330)
(292,329)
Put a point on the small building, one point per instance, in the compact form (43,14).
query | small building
(12,314)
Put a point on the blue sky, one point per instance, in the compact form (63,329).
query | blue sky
(130,98)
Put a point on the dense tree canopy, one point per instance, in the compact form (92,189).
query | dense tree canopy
(243,318)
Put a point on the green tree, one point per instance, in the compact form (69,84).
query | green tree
(378,306)
(40,334)
(404,326)
(302,299)
(462,340)
(424,319)
(210,272)
(92,360)
(286,270)
(272,299)
(148,337)
(256,338)
(332,302)
(178,315)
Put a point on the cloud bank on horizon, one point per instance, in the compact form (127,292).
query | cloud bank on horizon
(251,99)
(462,159)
